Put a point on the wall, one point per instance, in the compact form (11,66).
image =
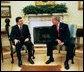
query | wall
(75,16)
(16,10)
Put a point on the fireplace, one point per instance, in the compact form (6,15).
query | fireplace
(39,26)
(41,34)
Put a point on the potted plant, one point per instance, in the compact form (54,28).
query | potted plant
(45,9)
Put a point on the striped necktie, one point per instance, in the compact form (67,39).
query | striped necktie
(21,30)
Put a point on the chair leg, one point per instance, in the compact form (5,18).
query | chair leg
(12,54)
(2,56)
(72,61)
(60,47)
(33,54)
(1,51)
(59,50)
(25,50)
(12,58)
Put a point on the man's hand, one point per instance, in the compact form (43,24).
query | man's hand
(59,42)
(27,39)
(16,41)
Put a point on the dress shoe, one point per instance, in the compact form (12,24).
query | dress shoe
(31,61)
(66,65)
(19,63)
(49,61)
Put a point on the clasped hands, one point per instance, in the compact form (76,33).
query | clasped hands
(59,42)
(16,40)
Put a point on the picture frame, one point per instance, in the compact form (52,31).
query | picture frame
(80,5)
(5,1)
(5,11)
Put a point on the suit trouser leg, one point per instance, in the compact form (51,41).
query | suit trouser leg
(29,48)
(70,54)
(50,50)
(70,51)
(18,50)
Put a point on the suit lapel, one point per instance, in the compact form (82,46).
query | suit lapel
(60,28)
(17,27)
(18,30)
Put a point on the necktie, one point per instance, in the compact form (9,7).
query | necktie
(21,30)
(58,30)
(20,27)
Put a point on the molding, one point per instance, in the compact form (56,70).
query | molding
(56,14)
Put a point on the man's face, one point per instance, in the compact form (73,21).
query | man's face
(20,22)
(54,21)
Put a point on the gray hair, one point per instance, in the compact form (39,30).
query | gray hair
(56,18)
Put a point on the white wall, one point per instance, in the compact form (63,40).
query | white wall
(16,10)
(75,16)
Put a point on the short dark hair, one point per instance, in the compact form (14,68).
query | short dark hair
(17,18)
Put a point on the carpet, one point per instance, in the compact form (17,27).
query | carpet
(41,68)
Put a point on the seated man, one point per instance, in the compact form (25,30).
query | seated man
(20,35)
(59,34)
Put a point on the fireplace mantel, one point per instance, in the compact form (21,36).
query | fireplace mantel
(45,17)
(56,14)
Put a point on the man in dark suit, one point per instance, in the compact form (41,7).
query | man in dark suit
(59,34)
(20,35)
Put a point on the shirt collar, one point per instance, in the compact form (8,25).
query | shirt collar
(58,24)
(19,26)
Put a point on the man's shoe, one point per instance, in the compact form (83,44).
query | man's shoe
(66,65)
(19,63)
(52,59)
(31,61)
(49,61)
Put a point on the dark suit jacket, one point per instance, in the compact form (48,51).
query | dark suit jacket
(16,34)
(64,33)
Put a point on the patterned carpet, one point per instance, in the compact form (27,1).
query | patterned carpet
(41,68)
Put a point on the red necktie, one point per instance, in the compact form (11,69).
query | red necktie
(58,30)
